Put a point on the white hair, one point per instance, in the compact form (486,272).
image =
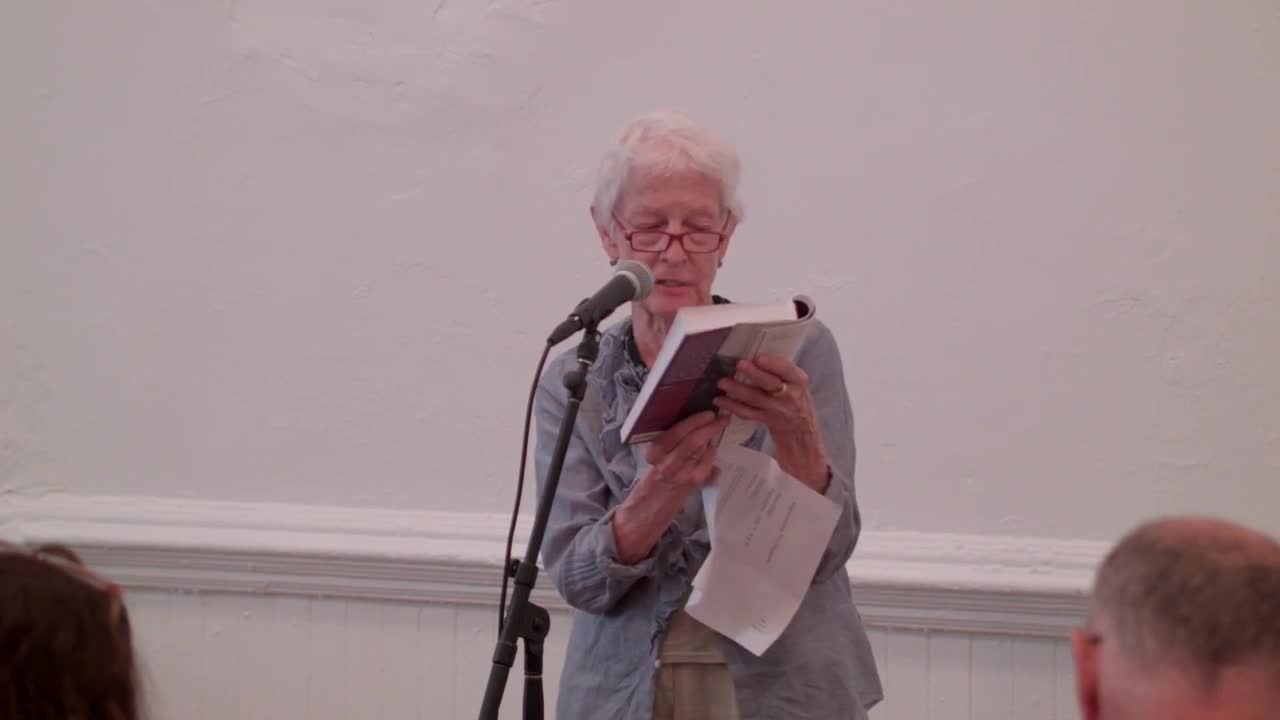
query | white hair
(665,141)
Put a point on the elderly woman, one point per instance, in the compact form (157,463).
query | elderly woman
(627,530)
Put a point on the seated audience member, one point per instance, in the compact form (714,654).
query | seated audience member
(66,651)
(1184,624)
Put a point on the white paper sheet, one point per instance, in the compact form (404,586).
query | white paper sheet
(768,532)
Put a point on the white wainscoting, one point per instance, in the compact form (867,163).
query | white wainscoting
(249,610)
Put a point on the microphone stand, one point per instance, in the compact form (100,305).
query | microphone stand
(525,620)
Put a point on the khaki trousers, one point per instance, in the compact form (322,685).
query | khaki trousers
(693,681)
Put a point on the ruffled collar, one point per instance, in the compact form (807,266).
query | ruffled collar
(617,378)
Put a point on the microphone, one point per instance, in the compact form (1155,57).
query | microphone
(632,280)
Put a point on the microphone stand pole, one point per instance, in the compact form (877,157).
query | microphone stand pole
(525,620)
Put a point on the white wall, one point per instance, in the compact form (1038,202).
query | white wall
(361,659)
(271,268)
(304,252)
(255,610)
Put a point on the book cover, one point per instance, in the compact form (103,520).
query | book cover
(705,344)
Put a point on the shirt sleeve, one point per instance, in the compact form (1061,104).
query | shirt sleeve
(821,361)
(579,549)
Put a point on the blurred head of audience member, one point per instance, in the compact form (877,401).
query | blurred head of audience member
(1184,623)
(66,649)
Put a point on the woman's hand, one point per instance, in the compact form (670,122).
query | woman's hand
(681,460)
(684,457)
(776,393)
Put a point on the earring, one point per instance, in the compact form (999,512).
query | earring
(720,263)
(613,261)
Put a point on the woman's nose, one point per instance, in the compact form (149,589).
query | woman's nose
(675,251)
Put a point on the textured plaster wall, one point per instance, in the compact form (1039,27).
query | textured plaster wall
(305,251)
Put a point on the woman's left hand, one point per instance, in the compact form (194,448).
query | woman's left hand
(777,394)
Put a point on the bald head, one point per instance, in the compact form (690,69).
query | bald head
(1189,604)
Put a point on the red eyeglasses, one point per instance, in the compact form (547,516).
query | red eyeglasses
(655,241)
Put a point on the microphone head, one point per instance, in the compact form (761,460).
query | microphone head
(640,275)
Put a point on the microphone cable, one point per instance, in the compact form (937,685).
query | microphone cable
(515,511)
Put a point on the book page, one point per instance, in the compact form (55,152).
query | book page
(781,340)
(768,533)
(748,341)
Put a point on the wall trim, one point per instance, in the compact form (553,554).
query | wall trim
(926,581)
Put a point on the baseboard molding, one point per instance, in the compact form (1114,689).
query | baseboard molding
(958,583)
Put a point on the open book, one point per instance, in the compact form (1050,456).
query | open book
(703,345)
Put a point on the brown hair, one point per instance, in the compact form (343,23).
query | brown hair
(1197,592)
(66,648)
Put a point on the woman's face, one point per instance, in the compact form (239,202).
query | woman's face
(688,202)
